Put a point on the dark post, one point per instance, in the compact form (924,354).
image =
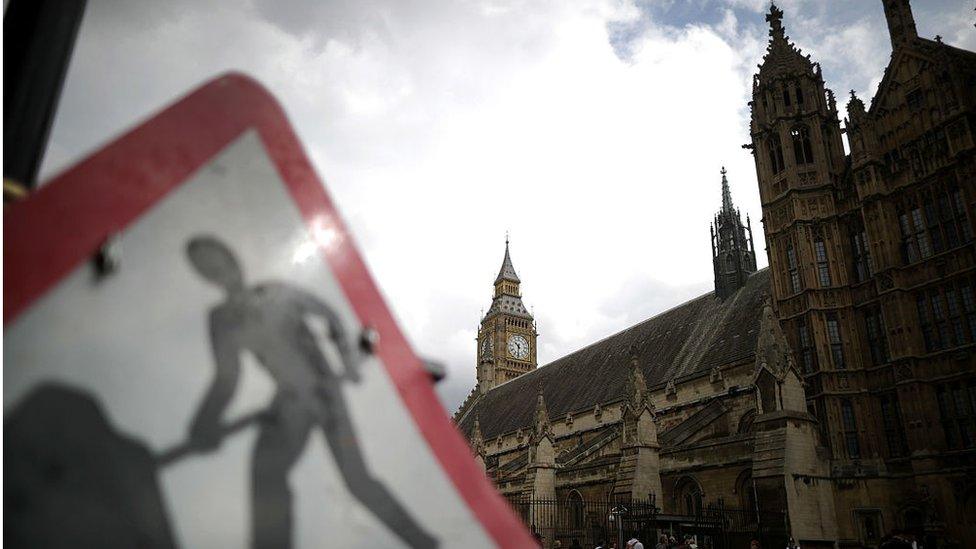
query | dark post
(38,37)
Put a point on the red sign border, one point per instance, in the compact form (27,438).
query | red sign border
(68,219)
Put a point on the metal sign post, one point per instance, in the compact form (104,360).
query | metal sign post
(38,38)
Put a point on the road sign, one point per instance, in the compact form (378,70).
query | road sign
(195,355)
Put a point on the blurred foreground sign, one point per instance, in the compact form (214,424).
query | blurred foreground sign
(196,356)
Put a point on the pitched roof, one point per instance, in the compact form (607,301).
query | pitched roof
(687,340)
(507,272)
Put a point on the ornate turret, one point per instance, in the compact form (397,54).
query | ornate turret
(733,254)
(507,337)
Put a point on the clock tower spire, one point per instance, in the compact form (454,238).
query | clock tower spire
(507,336)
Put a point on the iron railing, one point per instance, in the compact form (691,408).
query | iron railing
(587,523)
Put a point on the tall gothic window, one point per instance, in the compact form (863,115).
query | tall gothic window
(786,96)
(947,315)
(576,509)
(893,428)
(863,267)
(957,410)
(849,423)
(877,342)
(793,269)
(802,149)
(836,344)
(808,355)
(823,272)
(938,224)
(775,148)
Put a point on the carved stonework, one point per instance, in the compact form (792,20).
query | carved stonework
(477,441)
(773,351)
(716,375)
(569,421)
(636,387)
(597,412)
(670,389)
(541,427)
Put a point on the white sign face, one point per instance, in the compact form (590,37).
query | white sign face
(212,390)
(140,342)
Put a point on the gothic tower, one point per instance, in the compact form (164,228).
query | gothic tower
(507,336)
(733,254)
(800,163)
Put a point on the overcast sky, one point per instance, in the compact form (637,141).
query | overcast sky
(592,130)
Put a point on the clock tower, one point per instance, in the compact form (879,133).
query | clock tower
(507,336)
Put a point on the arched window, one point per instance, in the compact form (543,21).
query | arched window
(745,422)
(799,95)
(747,496)
(766,384)
(688,495)
(775,148)
(793,268)
(574,502)
(802,149)
(786,96)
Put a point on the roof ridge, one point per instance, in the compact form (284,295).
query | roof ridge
(615,334)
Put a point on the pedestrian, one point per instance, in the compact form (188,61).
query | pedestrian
(634,543)
(557,544)
(754,544)
(662,543)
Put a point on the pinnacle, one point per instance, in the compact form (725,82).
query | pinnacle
(507,272)
(726,193)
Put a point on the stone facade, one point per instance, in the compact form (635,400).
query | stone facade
(839,384)
(872,264)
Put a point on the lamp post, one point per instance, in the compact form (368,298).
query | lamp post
(616,515)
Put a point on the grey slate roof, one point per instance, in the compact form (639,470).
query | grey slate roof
(508,304)
(507,272)
(687,340)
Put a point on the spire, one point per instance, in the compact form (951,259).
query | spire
(901,22)
(775,20)
(507,272)
(733,257)
(726,194)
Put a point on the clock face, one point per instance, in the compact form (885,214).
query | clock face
(518,347)
(487,347)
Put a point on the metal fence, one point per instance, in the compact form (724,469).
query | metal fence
(588,523)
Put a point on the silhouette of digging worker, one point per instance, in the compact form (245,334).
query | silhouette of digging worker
(269,321)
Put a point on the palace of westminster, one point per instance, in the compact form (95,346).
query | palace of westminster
(838,385)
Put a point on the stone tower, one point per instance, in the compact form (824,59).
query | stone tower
(507,336)
(733,254)
(800,163)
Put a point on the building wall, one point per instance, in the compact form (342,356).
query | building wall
(914,146)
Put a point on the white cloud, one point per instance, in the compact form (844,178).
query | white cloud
(440,125)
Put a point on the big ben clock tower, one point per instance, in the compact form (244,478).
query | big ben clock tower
(507,336)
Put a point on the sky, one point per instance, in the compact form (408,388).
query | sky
(592,131)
